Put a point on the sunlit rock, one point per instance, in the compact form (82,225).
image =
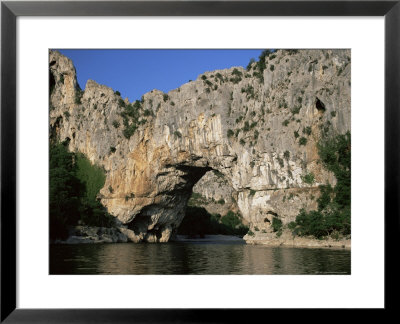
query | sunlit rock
(259,136)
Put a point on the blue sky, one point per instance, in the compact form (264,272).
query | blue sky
(135,72)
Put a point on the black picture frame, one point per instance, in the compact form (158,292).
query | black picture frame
(11,10)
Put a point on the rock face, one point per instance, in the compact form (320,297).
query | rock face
(258,134)
(215,194)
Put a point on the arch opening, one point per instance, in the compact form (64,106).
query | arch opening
(212,209)
(201,202)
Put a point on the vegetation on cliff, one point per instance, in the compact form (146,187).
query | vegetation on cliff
(198,222)
(74,185)
(333,214)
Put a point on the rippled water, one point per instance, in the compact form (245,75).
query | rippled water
(195,258)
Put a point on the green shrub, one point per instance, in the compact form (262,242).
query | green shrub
(252,60)
(303,141)
(208,82)
(230,133)
(117,93)
(129,131)
(296,110)
(130,117)
(165,97)
(259,76)
(148,112)
(280,161)
(246,126)
(292,225)
(261,64)
(242,142)
(256,134)
(116,123)
(237,72)
(233,225)
(221,201)
(121,103)
(333,113)
(235,80)
(177,134)
(292,51)
(307,130)
(308,178)
(272,67)
(249,90)
(286,122)
(78,96)
(276,224)
(112,149)
(286,155)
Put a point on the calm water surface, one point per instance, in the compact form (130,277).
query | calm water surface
(195,258)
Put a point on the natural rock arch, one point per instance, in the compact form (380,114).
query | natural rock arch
(242,127)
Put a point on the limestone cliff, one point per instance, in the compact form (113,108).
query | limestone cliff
(258,132)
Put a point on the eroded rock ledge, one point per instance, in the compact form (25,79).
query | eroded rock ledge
(260,135)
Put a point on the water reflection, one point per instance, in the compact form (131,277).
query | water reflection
(195,258)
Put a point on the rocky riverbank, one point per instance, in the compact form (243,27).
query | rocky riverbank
(209,239)
(82,234)
(95,235)
(289,240)
(88,234)
(91,234)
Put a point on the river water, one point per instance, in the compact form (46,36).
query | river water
(195,258)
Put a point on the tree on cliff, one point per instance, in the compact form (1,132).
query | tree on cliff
(333,213)
(74,184)
(65,190)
